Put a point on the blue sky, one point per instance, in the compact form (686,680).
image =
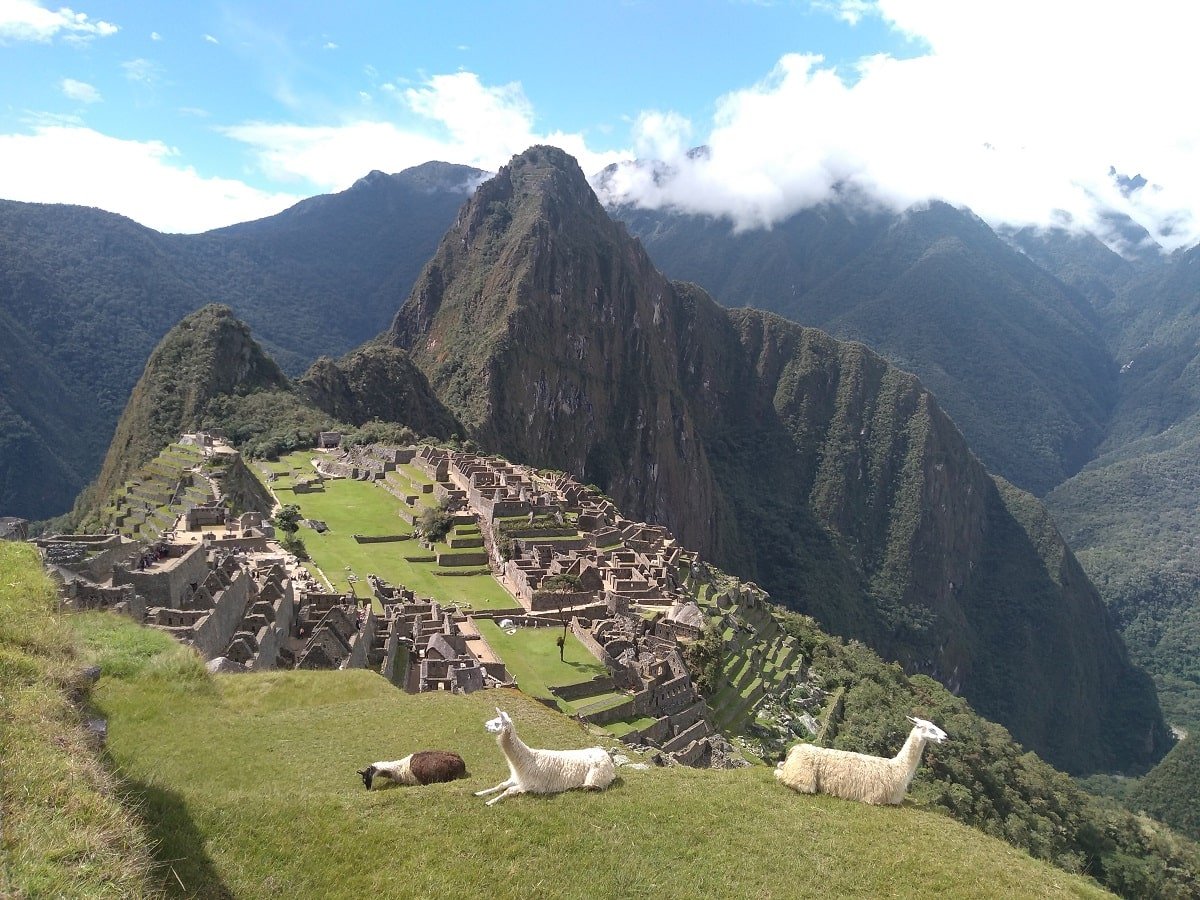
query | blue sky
(187,116)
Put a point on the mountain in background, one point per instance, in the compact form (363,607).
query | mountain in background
(813,466)
(1074,371)
(1169,792)
(208,372)
(1015,356)
(86,295)
(1134,512)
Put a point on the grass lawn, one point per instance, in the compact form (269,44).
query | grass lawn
(624,726)
(64,831)
(358,507)
(531,656)
(247,784)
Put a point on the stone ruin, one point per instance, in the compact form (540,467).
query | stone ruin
(228,602)
(445,651)
(14,529)
(242,606)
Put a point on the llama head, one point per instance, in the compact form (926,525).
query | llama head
(928,730)
(500,724)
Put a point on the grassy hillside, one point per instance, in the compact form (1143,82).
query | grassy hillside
(63,829)
(248,784)
(351,507)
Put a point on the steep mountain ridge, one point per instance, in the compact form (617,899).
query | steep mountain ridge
(478,321)
(810,465)
(207,354)
(376,382)
(1013,355)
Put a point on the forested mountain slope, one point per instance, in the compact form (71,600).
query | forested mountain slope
(86,295)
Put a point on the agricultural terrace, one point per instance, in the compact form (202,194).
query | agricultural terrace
(351,507)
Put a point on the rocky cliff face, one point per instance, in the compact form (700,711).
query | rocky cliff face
(552,337)
(1014,356)
(811,465)
(377,382)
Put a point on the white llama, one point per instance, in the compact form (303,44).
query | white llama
(856,776)
(545,771)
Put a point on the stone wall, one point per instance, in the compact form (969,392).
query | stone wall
(593,646)
(251,543)
(548,601)
(272,636)
(601,684)
(611,714)
(81,595)
(212,634)
(381,538)
(361,643)
(450,560)
(391,648)
(165,583)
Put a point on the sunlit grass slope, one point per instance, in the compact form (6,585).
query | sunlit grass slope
(249,784)
(63,830)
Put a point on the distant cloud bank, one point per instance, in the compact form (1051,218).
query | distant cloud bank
(1029,113)
(1026,112)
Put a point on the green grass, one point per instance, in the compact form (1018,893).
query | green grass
(63,829)
(249,788)
(531,656)
(624,726)
(358,507)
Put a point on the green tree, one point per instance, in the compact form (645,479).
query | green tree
(287,519)
(435,522)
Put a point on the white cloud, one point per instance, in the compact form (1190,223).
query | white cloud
(80,91)
(142,71)
(27,20)
(144,180)
(849,11)
(1017,109)
(330,45)
(449,117)
(155,36)
(210,39)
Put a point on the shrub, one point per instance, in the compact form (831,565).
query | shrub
(435,522)
(561,584)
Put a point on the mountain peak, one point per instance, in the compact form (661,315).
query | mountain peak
(209,353)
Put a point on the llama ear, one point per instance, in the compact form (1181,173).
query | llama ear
(914,721)
(499,711)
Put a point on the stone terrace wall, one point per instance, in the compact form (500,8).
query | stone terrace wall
(601,684)
(213,633)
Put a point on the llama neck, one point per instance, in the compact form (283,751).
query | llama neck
(909,756)
(513,747)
